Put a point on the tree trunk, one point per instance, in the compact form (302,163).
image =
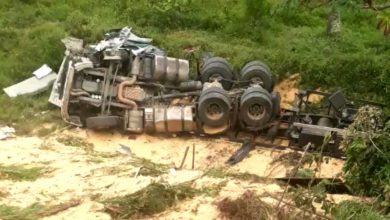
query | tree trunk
(334,23)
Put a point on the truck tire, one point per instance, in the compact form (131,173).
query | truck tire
(256,108)
(217,68)
(258,73)
(214,107)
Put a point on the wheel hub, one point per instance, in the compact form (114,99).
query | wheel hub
(214,111)
(256,111)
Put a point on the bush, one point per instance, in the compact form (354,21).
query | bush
(355,210)
(367,166)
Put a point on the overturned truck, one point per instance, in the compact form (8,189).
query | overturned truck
(124,82)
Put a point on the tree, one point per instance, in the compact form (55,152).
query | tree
(334,19)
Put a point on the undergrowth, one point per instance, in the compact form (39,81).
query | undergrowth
(20,173)
(367,166)
(34,211)
(356,210)
(219,172)
(154,199)
(74,141)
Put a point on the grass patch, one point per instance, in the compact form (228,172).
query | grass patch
(223,173)
(26,114)
(149,168)
(17,213)
(356,210)
(154,198)
(74,141)
(20,173)
(302,173)
(34,211)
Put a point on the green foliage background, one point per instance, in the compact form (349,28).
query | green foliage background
(289,39)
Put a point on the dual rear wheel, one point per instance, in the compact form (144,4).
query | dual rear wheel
(252,73)
(257,105)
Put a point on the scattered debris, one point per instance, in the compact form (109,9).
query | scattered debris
(42,72)
(184,158)
(241,153)
(172,171)
(6,132)
(125,150)
(31,86)
(123,38)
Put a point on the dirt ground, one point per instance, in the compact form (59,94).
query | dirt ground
(74,174)
(71,173)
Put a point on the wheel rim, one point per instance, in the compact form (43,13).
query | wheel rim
(214,111)
(256,111)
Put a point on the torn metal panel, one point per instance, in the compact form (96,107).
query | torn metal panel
(122,39)
(31,86)
(55,92)
(42,72)
(84,64)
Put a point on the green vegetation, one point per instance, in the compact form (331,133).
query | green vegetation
(153,199)
(16,213)
(368,156)
(304,173)
(148,168)
(74,141)
(356,210)
(20,173)
(34,211)
(285,34)
(219,172)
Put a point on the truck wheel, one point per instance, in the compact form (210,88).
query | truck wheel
(217,68)
(256,108)
(214,107)
(256,72)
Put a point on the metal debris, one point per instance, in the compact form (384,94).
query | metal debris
(124,38)
(31,86)
(42,72)
(125,150)
(6,132)
(241,153)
